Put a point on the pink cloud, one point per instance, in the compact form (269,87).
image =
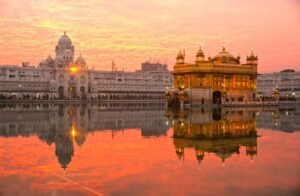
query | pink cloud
(132,31)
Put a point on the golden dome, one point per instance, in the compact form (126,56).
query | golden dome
(180,55)
(200,53)
(225,57)
(252,56)
(224,53)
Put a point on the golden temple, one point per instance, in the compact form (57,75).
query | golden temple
(218,80)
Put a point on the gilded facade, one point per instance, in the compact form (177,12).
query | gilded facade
(217,80)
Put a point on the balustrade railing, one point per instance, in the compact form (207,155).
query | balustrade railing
(216,69)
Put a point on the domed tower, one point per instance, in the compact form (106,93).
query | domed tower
(64,150)
(65,50)
(180,57)
(50,61)
(252,59)
(80,61)
(43,63)
(200,56)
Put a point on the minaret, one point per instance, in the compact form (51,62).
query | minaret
(200,56)
(252,59)
(180,57)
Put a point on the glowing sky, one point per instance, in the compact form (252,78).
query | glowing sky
(132,31)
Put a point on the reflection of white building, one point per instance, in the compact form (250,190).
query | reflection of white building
(287,82)
(27,119)
(65,126)
(63,77)
(287,120)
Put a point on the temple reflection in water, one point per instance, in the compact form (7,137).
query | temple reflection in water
(215,131)
(221,132)
(224,132)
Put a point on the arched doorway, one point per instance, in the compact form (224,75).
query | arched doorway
(217,95)
(82,92)
(72,92)
(61,92)
(241,99)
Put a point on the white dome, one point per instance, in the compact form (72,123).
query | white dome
(64,40)
(42,63)
(50,59)
(80,61)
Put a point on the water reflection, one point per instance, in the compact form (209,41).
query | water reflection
(65,125)
(134,149)
(221,132)
(281,119)
(224,131)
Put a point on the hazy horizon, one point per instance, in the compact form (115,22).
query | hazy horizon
(133,31)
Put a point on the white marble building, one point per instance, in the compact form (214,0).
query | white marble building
(286,82)
(62,77)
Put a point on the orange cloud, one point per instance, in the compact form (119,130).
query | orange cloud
(132,31)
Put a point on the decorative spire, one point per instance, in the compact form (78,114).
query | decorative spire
(252,56)
(200,55)
(179,54)
(65,33)
(113,66)
(180,57)
(223,45)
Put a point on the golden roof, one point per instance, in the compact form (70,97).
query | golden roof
(200,53)
(225,57)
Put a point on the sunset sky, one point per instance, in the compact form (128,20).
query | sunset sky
(132,31)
